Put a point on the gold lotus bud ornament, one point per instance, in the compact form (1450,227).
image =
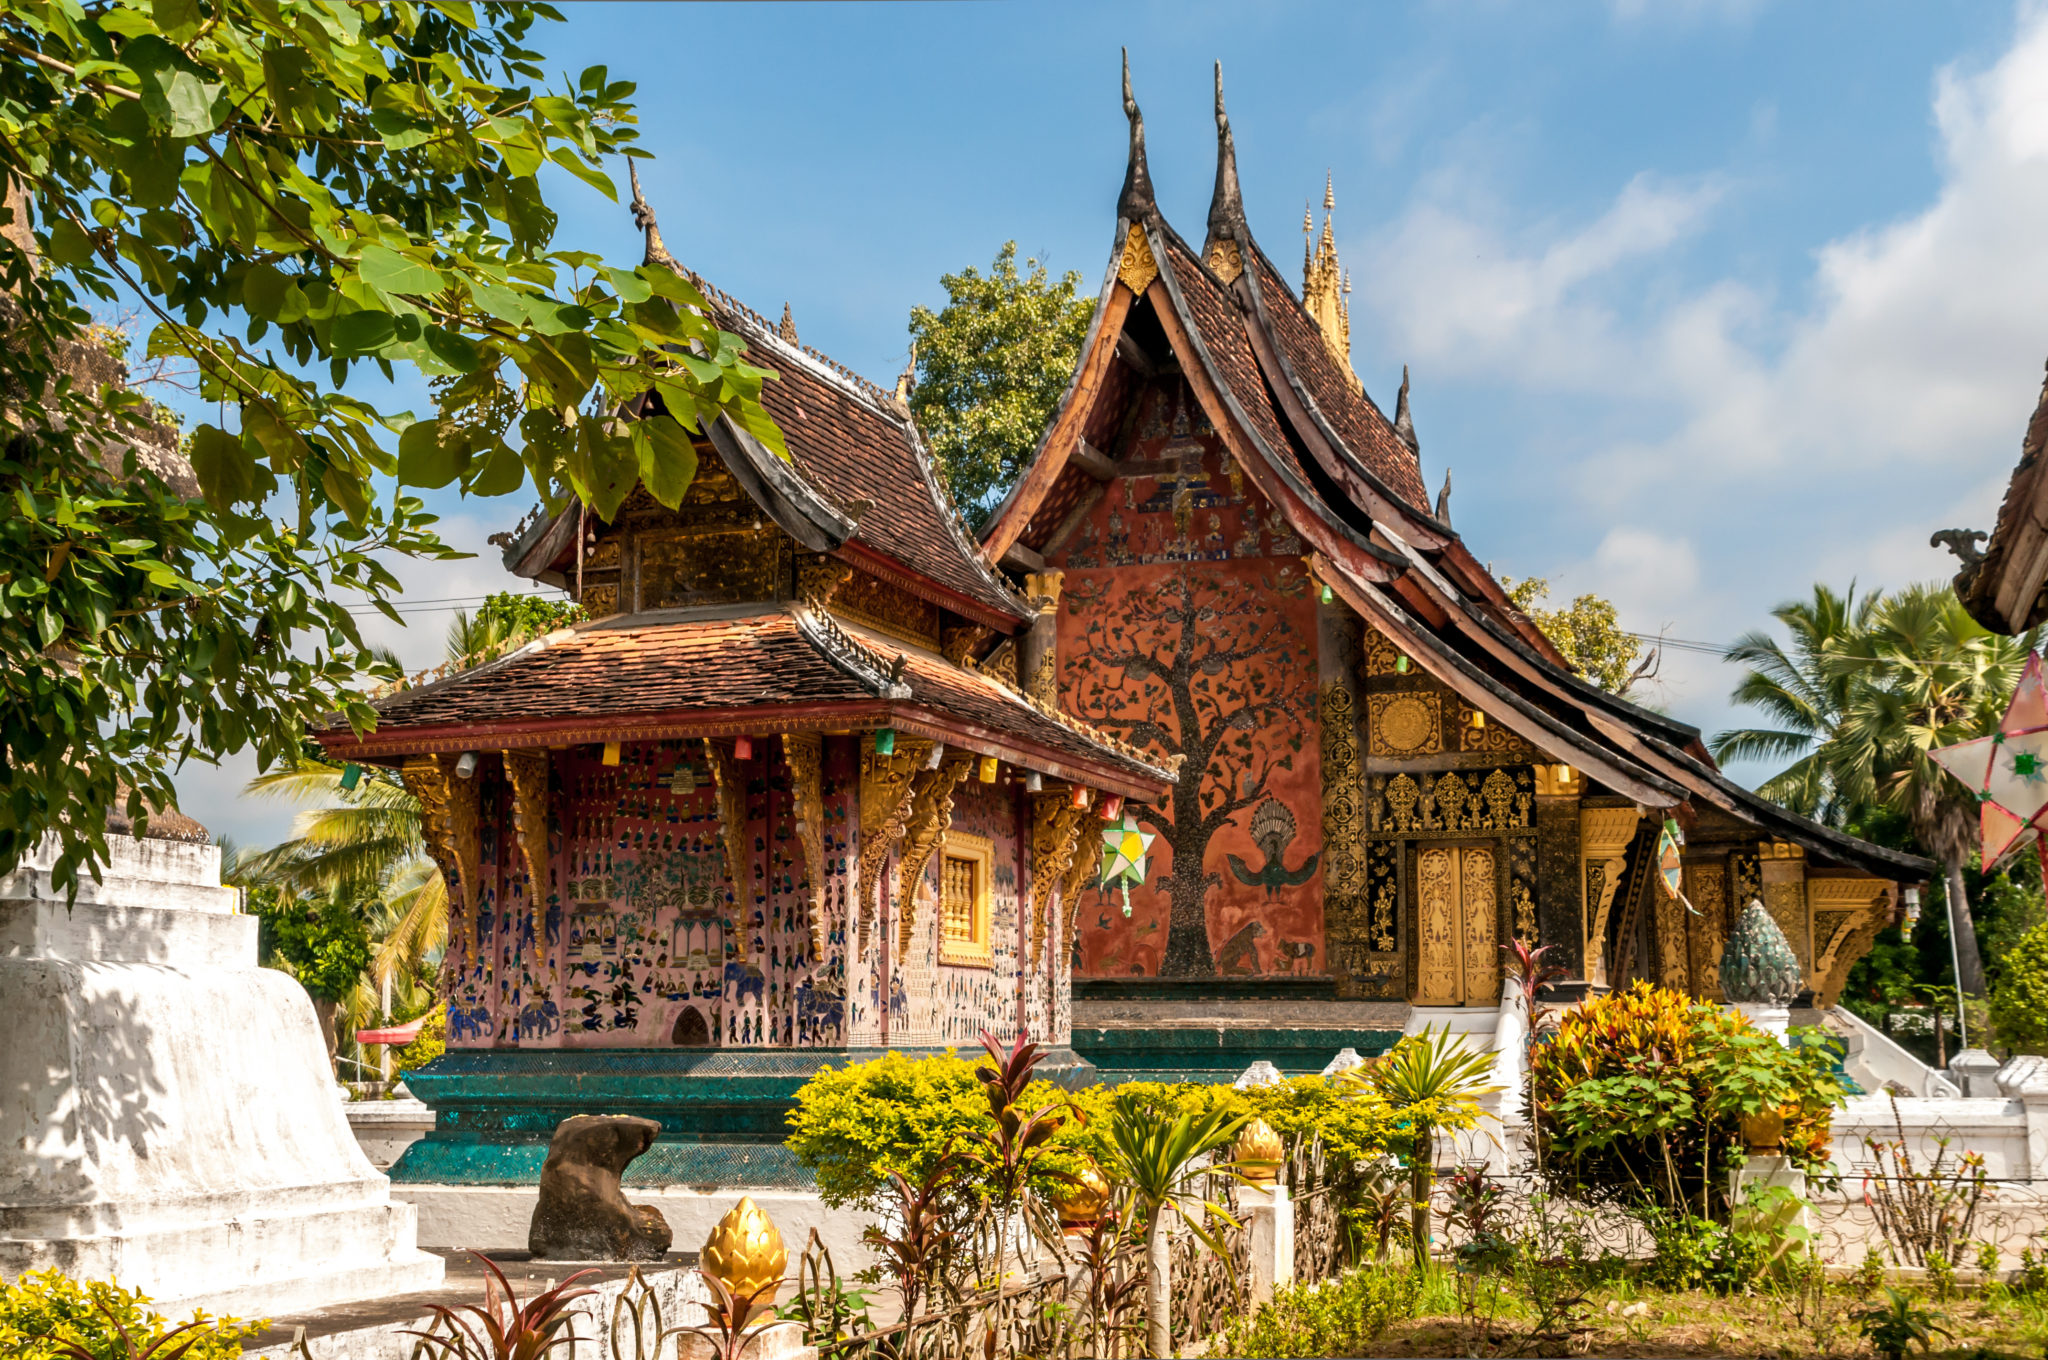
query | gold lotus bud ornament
(1082,1200)
(1258,1153)
(745,1252)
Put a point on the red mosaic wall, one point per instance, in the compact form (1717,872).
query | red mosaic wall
(1188,624)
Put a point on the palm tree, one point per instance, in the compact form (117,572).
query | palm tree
(1432,1081)
(1803,693)
(365,839)
(1161,1161)
(1923,675)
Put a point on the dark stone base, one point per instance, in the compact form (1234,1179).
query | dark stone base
(723,1112)
(1299,987)
(1219,1053)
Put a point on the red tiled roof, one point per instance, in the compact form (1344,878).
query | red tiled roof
(601,671)
(1220,323)
(1360,424)
(849,440)
(618,669)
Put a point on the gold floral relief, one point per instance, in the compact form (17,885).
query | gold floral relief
(1343,828)
(1404,723)
(1478,906)
(1449,794)
(1137,268)
(1493,736)
(1381,657)
(1401,797)
(1707,887)
(884,808)
(931,815)
(1436,927)
(526,770)
(1524,904)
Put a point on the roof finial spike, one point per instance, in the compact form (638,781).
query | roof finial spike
(1329,190)
(1135,201)
(788,327)
(1443,503)
(1226,205)
(1404,422)
(643,218)
(906,381)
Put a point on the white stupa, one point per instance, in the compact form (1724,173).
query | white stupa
(168,1119)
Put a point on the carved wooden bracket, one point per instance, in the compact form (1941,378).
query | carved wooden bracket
(732,821)
(931,814)
(527,772)
(1847,915)
(885,794)
(805,752)
(1604,835)
(1055,829)
(448,822)
(1083,867)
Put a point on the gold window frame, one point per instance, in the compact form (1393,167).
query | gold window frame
(978,950)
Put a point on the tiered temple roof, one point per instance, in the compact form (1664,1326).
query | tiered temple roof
(858,499)
(1280,390)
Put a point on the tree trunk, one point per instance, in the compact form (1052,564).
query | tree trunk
(1158,1285)
(1962,929)
(1187,927)
(1421,1182)
(325,1012)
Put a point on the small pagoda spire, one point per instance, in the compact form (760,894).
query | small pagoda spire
(1323,282)
(643,218)
(1404,422)
(1135,202)
(1226,205)
(788,327)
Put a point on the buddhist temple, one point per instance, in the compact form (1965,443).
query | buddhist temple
(779,799)
(1389,772)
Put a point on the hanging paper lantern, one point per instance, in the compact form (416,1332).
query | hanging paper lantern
(1125,846)
(885,741)
(742,748)
(1670,844)
(351,775)
(2008,770)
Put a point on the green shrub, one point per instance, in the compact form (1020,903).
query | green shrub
(2019,1000)
(1342,1317)
(430,1043)
(853,1125)
(44,1309)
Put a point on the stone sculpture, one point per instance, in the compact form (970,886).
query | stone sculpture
(583,1214)
(1758,967)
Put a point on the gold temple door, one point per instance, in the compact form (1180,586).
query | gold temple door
(1458,903)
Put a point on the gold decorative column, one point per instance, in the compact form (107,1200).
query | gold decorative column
(805,752)
(448,824)
(1560,880)
(1604,836)
(1038,646)
(1782,866)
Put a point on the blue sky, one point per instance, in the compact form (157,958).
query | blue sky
(1704,299)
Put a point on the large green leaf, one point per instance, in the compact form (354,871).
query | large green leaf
(226,471)
(385,268)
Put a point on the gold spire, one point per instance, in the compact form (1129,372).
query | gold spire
(1324,284)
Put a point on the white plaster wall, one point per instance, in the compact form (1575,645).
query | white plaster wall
(167,1114)
(490,1218)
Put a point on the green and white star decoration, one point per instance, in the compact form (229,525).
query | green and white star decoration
(2008,770)
(1125,848)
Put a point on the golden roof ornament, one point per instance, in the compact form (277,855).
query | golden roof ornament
(1258,1153)
(745,1252)
(1084,1199)
(1323,282)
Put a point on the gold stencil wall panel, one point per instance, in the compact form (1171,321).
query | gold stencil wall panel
(1404,723)
(1706,883)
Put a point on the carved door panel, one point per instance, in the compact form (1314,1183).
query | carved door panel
(1457,931)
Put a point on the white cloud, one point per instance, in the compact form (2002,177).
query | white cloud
(1752,444)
